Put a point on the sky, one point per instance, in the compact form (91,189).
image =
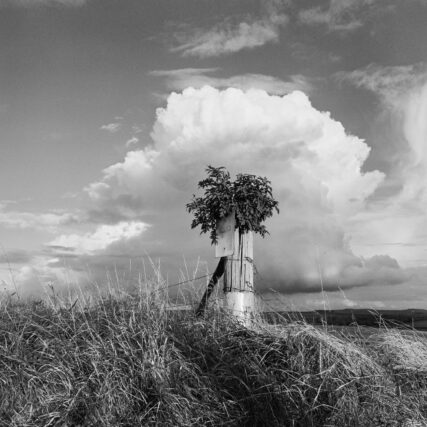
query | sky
(110,112)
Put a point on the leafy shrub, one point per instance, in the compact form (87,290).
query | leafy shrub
(249,196)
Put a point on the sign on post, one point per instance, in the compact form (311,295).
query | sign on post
(225,236)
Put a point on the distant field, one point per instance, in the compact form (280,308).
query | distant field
(421,324)
(416,319)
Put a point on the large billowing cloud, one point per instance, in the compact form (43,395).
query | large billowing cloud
(317,174)
(316,170)
(306,153)
(314,165)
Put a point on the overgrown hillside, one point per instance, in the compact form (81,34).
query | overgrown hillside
(129,362)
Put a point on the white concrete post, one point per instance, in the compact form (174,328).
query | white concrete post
(239,296)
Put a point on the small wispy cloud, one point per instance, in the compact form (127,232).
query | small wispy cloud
(180,79)
(389,82)
(338,15)
(136,129)
(229,36)
(33,3)
(348,15)
(132,141)
(111,127)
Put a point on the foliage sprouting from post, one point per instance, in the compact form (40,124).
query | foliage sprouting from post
(249,196)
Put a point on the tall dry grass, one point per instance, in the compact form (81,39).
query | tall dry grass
(126,360)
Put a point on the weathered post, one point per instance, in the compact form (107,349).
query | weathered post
(232,212)
(236,247)
(239,296)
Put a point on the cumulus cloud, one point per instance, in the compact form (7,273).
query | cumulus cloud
(103,237)
(229,37)
(71,262)
(314,165)
(317,173)
(402,91)
(180,79)
(43,275)
(199,127)
(49,221)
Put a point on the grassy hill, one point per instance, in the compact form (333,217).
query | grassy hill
(127,361)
